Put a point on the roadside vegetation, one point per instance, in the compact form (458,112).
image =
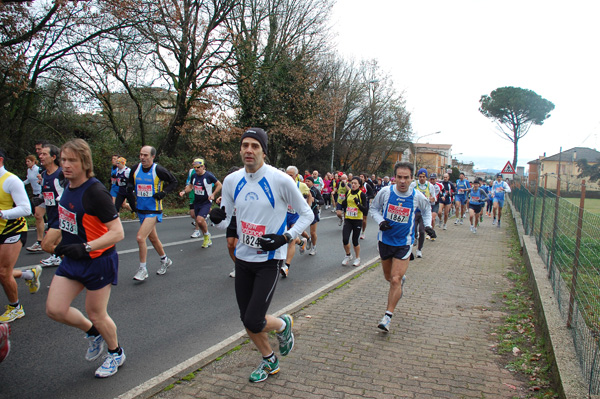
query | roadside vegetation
(519,341)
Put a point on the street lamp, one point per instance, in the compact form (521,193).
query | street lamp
(415,146)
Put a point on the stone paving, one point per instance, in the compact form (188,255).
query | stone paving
(440,344)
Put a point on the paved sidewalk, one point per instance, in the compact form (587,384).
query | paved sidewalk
(440,344)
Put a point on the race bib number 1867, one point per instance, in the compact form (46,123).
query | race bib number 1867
(398,213)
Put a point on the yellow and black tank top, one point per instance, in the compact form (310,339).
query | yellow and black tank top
(14,226)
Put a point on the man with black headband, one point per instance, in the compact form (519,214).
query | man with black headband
(260,194)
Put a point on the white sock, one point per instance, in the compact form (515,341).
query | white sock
(283,326)
(143,265)
(28,275)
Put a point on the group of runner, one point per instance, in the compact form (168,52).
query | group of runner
(265,212)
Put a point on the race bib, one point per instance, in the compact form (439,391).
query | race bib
(398,213)
(251,233)
(144,190)
(475,198)
(49,198)
(461,191)
(351,212)
(291,210)
(342,196)
(199,190)
(67,220)
(499,189)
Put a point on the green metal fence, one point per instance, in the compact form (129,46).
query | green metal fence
(568,240)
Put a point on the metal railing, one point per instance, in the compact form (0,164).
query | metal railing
(568,241)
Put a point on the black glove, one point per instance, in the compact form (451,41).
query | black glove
(270,242)
(217,215)
(430,232)
(73,251)
(159,195)
(385,225)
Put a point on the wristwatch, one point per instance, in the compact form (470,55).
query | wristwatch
(288,237)
(88,247)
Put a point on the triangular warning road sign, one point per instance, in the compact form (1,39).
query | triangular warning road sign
(508,169)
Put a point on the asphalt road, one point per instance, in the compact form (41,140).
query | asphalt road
(162,321)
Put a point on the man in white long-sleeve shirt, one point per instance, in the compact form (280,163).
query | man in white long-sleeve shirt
(14,206)
(260,195)
(394,210)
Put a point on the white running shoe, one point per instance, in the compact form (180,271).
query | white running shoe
(347,259)
(474,230)
(97,347)
(36,247)
(195,234)
(471,228)
(461,221)
(141,274)
(164,265)
(52,260)
(456,222)
(341,222)
(494,222)
(356,262)
(302,244)
(362,235)
(419,254)
(111,364)
(444,228)
(384,324)
(232,274)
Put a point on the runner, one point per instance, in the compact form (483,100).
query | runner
(460,199)
(148,183)
(489,206)
(114,187)
(448,190)
(327,189)
(191,195)
(33,171)
(477,199)
(435,207)
(393,209)
(122,177)
(14,206)
(4,341)
(427,190)
(90,227)
(260,195)
(316,204)
(53,182)
(303,241)
(340,190)
(201,184)
(369,189)
(498,189)
(354,206)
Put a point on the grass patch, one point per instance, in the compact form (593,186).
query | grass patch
(591,204)
(522,349)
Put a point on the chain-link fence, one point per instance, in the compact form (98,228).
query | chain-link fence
(568,240)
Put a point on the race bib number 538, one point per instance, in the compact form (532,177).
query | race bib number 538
(251,233)
(67,220)
(398,213)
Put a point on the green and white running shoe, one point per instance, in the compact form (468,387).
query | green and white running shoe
(286,337)
(264,369)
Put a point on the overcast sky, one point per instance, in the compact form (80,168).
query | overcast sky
(444,55)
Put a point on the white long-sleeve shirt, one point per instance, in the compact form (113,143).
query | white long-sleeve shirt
(32,178)
(260,201)
(15,187)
